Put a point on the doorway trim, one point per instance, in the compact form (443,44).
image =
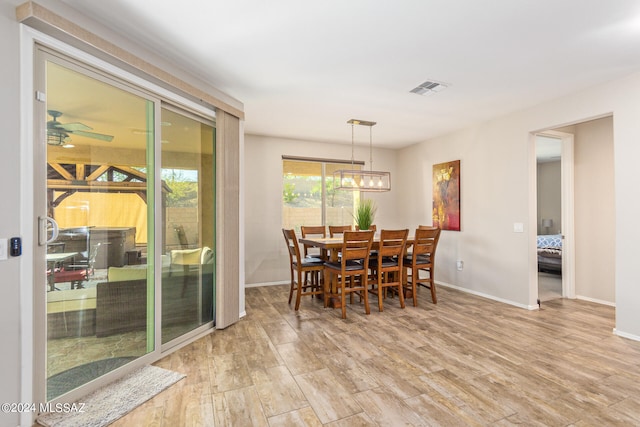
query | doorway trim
(567,208)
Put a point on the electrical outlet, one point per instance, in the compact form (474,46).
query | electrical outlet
(4,249)
(459,265)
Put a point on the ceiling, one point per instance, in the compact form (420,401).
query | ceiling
(302,69)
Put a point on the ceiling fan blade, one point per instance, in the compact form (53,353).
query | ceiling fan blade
(73,127)
(94,135)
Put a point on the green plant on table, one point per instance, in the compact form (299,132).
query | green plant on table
(365,213)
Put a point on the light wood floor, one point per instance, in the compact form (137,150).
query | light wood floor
(466,361)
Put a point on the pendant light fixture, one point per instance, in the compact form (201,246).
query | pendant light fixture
(362,180)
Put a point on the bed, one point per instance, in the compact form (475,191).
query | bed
(550,253)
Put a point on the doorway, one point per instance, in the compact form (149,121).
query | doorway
(588,210)
(118,170)
(549,216)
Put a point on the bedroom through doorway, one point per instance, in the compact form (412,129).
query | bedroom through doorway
(549,216)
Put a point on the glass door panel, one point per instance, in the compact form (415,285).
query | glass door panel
(99,291)
(188,239)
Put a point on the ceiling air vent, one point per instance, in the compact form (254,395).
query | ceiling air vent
(429,88)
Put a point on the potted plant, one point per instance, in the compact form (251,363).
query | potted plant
(365,214)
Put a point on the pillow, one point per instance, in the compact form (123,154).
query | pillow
(122,274)
(550,252)
(186,256)
(207,256)
(550,241)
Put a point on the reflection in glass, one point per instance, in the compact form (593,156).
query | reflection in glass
(188,223)
(98,285)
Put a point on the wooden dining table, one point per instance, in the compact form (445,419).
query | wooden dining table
(332,246)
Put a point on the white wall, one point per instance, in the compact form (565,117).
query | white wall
(10,218)
(496,164)
(494,196)
(595,220)
(266,257)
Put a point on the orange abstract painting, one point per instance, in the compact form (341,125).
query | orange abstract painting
(446,195)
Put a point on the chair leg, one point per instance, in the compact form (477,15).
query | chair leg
(365,293)
(380,292)
(400,294)
(414,286)
(299,291)
(291,288)
(433,289)
(343,297)
(327,287)
(315,282)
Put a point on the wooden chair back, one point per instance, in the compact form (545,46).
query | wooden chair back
(356,245)
(392,243)
(425,243)
(427,227)
(372,227)
(336,230)
(313,231)
(292,245)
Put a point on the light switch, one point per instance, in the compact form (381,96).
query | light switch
(518,227)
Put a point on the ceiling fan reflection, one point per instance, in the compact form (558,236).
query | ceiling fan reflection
(59,133)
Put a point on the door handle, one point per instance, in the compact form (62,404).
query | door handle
(43,230)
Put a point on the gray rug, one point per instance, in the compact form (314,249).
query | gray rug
(106,405)
(65,381)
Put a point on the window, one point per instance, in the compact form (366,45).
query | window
(308,195)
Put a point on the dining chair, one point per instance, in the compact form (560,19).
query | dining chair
(312,252)
(386,267)
(300,265)
(338,230)
(313,231)
(79,271)
(422,258)
(351,270)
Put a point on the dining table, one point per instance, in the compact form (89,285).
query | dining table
(331,246)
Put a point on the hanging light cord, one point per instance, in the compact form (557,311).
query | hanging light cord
(352,142)
(370,148)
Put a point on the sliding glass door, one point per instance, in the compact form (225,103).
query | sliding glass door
(126,223)
(99,293)
(188,207)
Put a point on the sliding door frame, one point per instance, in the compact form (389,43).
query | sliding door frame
(34,301)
